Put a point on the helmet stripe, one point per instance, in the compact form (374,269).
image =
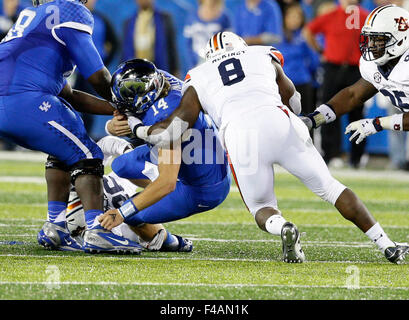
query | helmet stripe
(375,12)
(215,44)
(220,40)
(371,15)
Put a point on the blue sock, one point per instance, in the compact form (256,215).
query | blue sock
(90,218)
(171,243)
(56,213)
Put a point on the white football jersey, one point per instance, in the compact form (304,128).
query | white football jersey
(235,83)
(394,85)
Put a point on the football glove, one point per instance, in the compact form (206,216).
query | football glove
(362,129)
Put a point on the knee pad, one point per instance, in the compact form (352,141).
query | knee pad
(87,166)
(332,192)
(53,163)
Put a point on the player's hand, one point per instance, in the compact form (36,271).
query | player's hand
(111,219)
(361,129)
(118,126)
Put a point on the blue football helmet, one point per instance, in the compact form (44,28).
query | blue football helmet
(136,85)
(37,3)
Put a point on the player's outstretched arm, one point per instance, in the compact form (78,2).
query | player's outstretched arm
(343,102)
(169,161)
(85,55)
(289,95)
(365,127)
(171,129)
(87,103)
(101,82)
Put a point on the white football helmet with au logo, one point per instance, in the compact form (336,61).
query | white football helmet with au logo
(385,34)
(222,43)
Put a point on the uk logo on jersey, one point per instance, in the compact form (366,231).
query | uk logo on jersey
(45,106)
(402,24)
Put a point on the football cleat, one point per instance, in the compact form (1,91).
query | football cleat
(185,245)
(397,253)
(54,237)
(292,251)
(103,241)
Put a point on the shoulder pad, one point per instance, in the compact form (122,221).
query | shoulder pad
(72,11)
(277,56)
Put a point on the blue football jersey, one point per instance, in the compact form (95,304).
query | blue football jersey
(204,162)
(32,56)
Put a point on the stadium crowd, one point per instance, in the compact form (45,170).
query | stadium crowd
(319,40)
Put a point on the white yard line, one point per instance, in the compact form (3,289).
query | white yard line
(23,156)
(180,284)
(187,257)
(14,179)
(305,243)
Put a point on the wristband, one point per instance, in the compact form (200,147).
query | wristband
(128,209)
(295,102)
(316,118)
(377,124)
(328,113)
(142,132)
(394,122)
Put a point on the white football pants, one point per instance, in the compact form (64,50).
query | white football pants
(256,141)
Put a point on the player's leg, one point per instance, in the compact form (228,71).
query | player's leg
(175,206)
(252,145)
(306,163)
(136,165)
(23,120)
(54,233)
(183,202)
(48,124)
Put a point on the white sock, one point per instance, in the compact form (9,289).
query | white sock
(379,237)
(274,224)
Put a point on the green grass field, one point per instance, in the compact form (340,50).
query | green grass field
(232,258)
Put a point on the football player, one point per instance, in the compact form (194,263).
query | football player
(116,191)
(182,179)
(384,63)
(36,112)
(247,94)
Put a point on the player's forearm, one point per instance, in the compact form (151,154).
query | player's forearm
(87,103)
(101,82)
(153,193)
(343,102)
(170,130)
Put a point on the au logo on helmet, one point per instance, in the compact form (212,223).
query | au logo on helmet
(402,24)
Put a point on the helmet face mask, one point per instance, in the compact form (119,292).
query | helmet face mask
(374,46)
(136,85)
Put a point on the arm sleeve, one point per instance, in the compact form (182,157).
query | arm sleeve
(82,50)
